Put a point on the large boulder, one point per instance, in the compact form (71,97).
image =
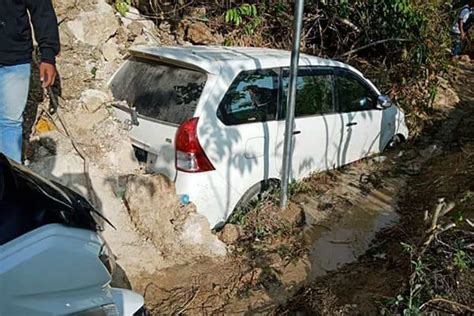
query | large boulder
(199,33)
(95,27)
(93,99)
(230,234)
(173,228)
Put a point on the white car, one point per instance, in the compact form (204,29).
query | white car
(212,119)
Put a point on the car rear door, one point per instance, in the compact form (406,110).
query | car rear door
(157,98)
(362,120)
(317,134)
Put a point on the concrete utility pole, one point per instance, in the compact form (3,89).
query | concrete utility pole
(290,111)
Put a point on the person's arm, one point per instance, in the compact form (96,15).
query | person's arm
(45,26)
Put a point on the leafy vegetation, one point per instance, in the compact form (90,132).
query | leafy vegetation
(122,6)
(236,15)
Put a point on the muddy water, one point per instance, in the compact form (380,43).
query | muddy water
(343,240)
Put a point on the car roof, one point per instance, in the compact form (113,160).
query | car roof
(214,59)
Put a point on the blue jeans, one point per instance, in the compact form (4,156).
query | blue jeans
(14,86)
(457,44)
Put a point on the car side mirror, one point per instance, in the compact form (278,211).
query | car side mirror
(384,102)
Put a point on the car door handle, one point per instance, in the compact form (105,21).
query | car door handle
(296,132)
(351,124)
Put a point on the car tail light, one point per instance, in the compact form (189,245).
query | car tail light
(190,157)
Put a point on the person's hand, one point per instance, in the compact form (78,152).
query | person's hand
(47,74)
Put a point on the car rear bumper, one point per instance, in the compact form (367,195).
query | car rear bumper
(213,196)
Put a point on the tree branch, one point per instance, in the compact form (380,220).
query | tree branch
(374,44)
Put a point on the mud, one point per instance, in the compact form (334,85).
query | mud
(350,237)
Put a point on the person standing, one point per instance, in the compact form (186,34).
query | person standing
(16,47)
(461,27)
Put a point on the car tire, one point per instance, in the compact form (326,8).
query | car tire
(256,193)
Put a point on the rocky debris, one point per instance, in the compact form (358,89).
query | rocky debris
(465,58)
(94,27)
(230,234)
(93,99)
(293,215)
(131,16)
(110,50)
(445,96)
(52,143)
(196,232)
(378,159)
(67,9)
(135,28)
(174,229)
(200,33)
(122,160)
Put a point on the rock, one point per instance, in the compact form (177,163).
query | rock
(67,37)
(105,71)
(95,27)
(378,159)
(93,99)
(445,97)
(132,15)
(110,50)
(135,28)
(165,27)
(465,58)
(197,12)
(196,232)
(174,229)
(62,7)
(140,40)
(67,9)
(230,234)
(293,215)
(200,33)
(122,158)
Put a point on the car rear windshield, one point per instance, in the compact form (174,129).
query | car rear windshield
(159,91)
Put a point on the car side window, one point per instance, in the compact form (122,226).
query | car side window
(252,97)
(353,95)
(314,93)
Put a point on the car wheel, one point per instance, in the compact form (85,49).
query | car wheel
(254,195)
